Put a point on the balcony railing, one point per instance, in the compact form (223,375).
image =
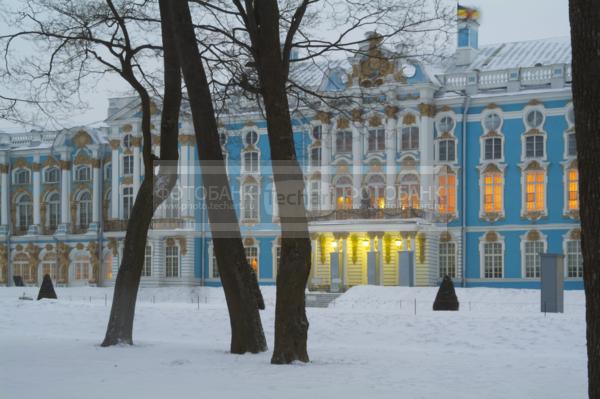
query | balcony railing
(371,213)
(155,224)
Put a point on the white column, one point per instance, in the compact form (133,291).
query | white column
(344,273)
(390,161)
(426,155)
(357,154)
(184,175)
(326,140)
(115,173)
(36,191)
(380,257)
(65,181)
(97,198)
(136,166)
(4,204)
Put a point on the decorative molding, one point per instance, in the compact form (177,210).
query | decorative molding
(3,168)
(391,111)
(113,246)
(36,167)
(182,244)
(115,144)
(356,115)
(136,141)
(82,158)
(126,128)
(323,116)
(128,180)
(21,163)
(342,123)
(82,139)
(64,165)
(95,163)
(187,139)
(427,110)
(409,119)
(375,121)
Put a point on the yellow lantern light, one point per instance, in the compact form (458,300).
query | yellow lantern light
(334,245)
(398,243)
(365,243)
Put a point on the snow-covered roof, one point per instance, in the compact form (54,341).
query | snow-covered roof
(520,55)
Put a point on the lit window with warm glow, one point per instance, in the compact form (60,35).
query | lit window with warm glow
(252,257)
(535,190)
(447,193)
(343,193)
(573,189)
(493,185)
(409,192)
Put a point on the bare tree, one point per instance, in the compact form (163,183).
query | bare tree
(585,43)
(253,42)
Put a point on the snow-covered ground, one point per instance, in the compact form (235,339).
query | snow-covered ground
(368,344)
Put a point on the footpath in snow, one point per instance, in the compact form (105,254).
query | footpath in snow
(372,342)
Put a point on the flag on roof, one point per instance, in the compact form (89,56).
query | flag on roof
(467,13)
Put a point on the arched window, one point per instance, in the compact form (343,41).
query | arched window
(447,193)
(572,189)
(251,250)
(21,267)
(82,173)
(250,164)
(250,202)
(493,190)
(376,187)
(574,258)
(492,122)
(24,212)
(81,268)
(84,210)
(445,124)
(147,269)
(447,259)
(409,192)
(251,138)
(22,176)
(108,171)
(534,119)
(343,193)
(127,141)
(49,267)
(535,190)
(128,165)
(53,210)
(172,260)
(376,140)
(51,175)
(532,248)
(410,138)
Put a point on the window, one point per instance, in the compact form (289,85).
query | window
(251,138)
(493,260)
(571,145)
(447,254)
(172,205)
(49,268)
(51,175)
(250,162)
(572,189)
(250,201)
(532,258)
(316,132)
(343,193)
(376,140)
(315,157)
(82,174)
(53,211)
(315,194)
(147,269)
(535,187)
(409,192)
(574,259)
(447,150)
(128,165)
(493,187)
(534,146)
(410,138)
(376,188)
(447,193)
(535,119)
(127,141)
(84,210)
(172,261)
(252,257)
(446,124)
(82,268)
(493,148)
(22,176)
(24,212)
(108,172)
(215,266)
(127,202)
(21,268)
(492,122)
(343,141)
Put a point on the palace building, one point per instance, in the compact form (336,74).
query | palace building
(470,166)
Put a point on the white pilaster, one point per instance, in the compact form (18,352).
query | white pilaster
(184,178)
(326,140)
(65,184)
(344,272)
(357,152)
(390,163)
(97,198)
(4,204)
(426,154)
(115,173)
(36,192)
(380,258)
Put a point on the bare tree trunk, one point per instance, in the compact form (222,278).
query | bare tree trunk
(585,42)
(150,195)
(291,323)
(238,279)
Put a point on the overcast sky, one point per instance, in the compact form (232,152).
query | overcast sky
(501,21)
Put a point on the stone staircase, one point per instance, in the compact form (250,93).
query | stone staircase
(320,299)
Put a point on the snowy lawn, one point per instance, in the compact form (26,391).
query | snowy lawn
(369,344)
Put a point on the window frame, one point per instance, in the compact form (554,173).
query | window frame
(447,259)
(343,141)
(172,261)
